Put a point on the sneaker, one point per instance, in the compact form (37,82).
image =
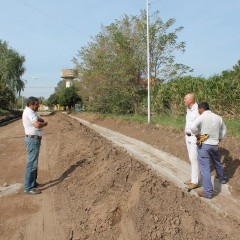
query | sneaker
(33,191)
(202,194)
(191,186)
(223,181)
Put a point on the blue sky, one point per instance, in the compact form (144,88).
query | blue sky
(49,33)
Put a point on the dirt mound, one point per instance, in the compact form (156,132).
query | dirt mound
(106,194)
(172,141)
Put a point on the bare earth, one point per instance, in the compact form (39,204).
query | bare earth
(93,190)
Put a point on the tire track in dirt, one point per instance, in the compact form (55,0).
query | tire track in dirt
(43,224)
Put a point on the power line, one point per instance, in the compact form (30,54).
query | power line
(50,16)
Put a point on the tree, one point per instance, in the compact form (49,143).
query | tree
(6,96)
(68,97)
(114,65)
(11,69)
(60,86)
(53,100)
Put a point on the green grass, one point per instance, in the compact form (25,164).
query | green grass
(161,120)
(233,127)
(174,122)
(4,112)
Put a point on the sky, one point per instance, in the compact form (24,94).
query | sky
(49,33)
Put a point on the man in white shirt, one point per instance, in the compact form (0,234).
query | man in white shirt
(211,124)
(192,113)
(33,127)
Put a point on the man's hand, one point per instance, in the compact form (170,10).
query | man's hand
(201,139)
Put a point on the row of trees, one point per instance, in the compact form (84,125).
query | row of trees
(113,72)
(112,69)
(11,70)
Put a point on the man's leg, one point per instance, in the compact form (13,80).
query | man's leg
(215,155)
(193,157)
(205,165)
(32,146)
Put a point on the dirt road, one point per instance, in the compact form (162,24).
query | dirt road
(93,190)
(23,216)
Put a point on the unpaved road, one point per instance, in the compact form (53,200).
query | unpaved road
(93,190)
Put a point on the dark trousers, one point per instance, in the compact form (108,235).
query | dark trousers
(206,154)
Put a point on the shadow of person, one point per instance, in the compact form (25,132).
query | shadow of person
(230,164)
(64,175)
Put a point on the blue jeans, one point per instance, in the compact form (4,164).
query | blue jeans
(206,153)
(33,147)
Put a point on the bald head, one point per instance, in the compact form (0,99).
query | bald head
(189,100)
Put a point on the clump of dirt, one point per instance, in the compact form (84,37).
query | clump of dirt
(104,193)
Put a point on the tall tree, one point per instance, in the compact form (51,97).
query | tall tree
(11,68)
(114,65)
(68,97)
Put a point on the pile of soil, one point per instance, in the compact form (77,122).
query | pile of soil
(94,190)
(173,141)
(106,194)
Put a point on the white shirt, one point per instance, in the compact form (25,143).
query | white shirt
(211,124)
(28,118)
(192,113)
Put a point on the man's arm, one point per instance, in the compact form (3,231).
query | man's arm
(40,119)
(39,124)
(194,126)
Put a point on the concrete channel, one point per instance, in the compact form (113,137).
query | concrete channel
(174,169)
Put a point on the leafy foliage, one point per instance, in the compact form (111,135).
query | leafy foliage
(53,100)
(68,97)
(6,96)
(220,91)
(113,66)
(11,70)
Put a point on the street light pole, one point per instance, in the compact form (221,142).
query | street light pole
(148,62)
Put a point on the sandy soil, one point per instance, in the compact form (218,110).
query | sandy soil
(172,141)
(92,190)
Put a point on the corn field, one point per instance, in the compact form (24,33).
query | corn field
(221,92)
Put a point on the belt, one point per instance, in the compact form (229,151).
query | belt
(34,136)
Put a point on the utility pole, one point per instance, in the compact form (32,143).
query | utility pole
(148,63)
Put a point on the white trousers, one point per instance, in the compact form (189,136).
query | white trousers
(193,157)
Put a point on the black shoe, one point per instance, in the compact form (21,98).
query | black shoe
(36,185)
(223,181)
(33,191)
